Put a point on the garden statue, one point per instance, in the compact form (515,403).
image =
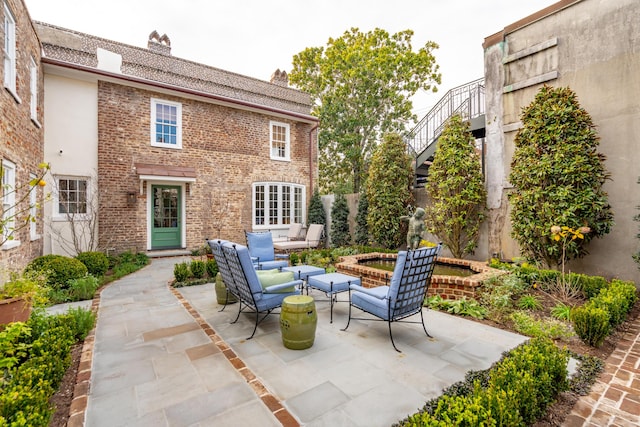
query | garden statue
(416,228)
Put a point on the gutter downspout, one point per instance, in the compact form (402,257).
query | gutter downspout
(311,158)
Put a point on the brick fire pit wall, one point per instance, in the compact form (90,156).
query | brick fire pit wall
(448,287)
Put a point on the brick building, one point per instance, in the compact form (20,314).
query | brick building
(157,152)
(21,137)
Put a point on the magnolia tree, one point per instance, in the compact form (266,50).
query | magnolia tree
(557,175)
(389,191)
(456,190)
(361,85)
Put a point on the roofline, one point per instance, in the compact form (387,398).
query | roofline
(541,14)
(217,98)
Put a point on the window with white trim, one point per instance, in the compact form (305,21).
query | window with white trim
(166,124)
(72,195)
(33,89)
(8,204)
(279,141)
(9,51)
(277,204)
(33,208)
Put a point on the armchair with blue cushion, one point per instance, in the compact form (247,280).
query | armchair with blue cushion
(405,294)
(241,278)
(260,246)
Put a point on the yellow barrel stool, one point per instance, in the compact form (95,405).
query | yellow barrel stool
(298,321)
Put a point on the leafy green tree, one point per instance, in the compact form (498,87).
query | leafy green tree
(558,176)
(362,229)
(388,191)
(361,85)
(456,190)
(340,235)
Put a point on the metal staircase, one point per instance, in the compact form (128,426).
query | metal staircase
(466,100)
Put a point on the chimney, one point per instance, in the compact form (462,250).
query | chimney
(280,78)
(159,44)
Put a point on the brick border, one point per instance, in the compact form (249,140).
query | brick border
(615,397)
(272,403)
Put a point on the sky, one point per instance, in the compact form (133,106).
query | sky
(256,37)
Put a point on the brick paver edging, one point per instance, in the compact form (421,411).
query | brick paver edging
(83,377)
(614,399)
(270,401)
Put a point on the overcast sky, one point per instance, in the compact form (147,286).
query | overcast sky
(256,37)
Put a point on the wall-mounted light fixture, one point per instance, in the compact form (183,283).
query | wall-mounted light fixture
(131,198)
(187,188)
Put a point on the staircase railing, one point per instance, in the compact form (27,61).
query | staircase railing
(467,100)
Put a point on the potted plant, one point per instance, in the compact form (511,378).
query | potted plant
(19,294)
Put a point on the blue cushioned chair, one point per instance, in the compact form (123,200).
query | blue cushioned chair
(223,269)
(405,294)
(236,265)
(260,246)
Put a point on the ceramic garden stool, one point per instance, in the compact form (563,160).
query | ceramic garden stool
(298,321)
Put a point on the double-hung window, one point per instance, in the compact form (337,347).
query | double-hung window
(9,52)
(277,204)
(8,205)
(72,196)
(166,124)
(280,141)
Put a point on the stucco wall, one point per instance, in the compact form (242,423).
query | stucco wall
(71,148)
(592,47)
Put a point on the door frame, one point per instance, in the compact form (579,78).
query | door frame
(183,210)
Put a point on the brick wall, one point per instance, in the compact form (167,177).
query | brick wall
(21,139)
(228,147)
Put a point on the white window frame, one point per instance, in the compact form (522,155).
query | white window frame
(9,203)
(63,216)
(268,205)
(9,52)
(276,152)
(33,91)
(178,123)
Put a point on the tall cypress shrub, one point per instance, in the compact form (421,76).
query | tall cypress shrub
(362,229)
(316,214)
(340,235)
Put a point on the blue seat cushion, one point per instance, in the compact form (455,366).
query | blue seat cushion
(332,282)
(374,301)
(269,265)
(261,246)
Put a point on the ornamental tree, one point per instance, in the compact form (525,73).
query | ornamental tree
(316,213)
(558,175)
(388,191)
(361,85)
(456,190)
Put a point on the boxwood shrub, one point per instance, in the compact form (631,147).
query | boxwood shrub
(59,269)
(97,263)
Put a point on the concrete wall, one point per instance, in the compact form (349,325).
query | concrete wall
(592,47)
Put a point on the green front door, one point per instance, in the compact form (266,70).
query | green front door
(166,230)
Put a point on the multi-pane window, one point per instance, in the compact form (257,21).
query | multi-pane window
(8,202)
(279,135)
(277,204)
(166,124)
(33,88)
(9,51)
(72,196)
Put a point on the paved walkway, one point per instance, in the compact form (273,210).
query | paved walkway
(165,357)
